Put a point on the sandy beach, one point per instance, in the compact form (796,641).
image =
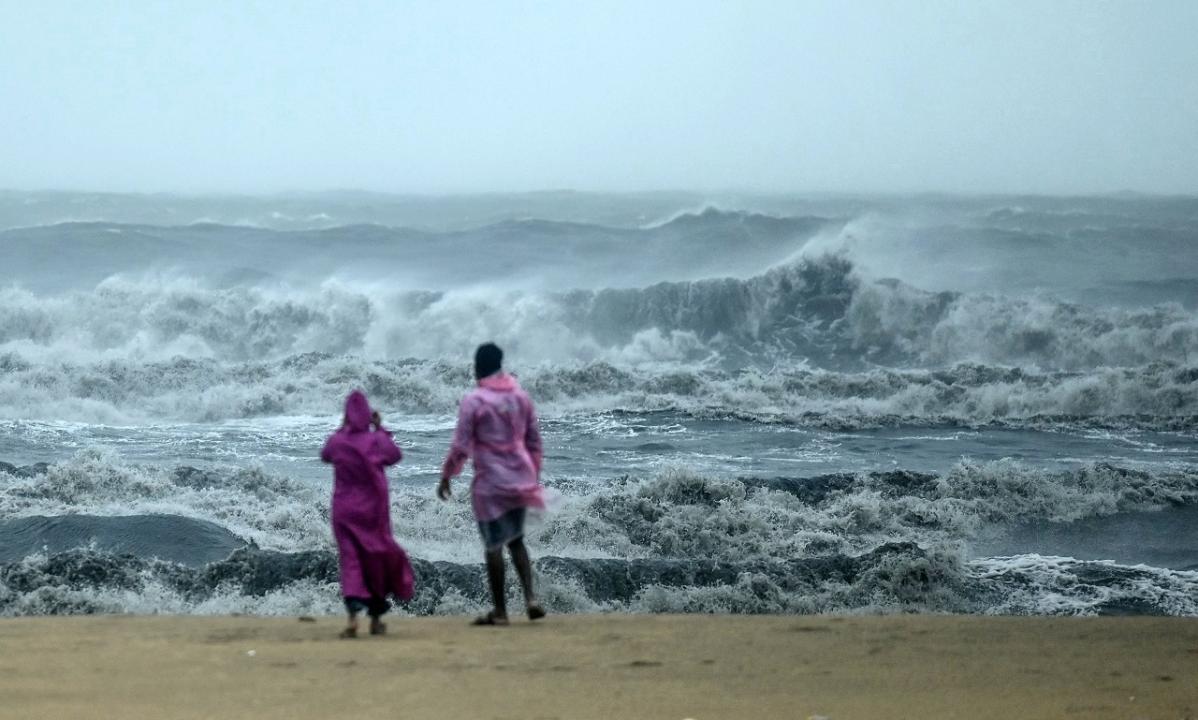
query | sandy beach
(617,666)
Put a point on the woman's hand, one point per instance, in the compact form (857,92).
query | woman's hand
(443,490)
(376,420)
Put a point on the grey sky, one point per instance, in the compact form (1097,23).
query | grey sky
(1046,97)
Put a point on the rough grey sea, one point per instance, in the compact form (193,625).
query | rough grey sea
(750,404)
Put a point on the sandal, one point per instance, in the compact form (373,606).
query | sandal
(378,628)
(490,619)
(535,611)
(349,633)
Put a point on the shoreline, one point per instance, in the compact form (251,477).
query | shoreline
(602,666)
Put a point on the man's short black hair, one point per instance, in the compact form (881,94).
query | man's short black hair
(488,360)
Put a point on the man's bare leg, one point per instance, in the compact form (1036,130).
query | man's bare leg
(495,578)
(524,569)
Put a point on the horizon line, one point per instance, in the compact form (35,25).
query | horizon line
(267,194)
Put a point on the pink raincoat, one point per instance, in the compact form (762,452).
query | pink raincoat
(497,426)
(373,565)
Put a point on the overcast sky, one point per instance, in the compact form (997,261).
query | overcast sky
(1048,97)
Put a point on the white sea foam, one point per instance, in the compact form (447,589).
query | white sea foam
(135,391)
(672,514)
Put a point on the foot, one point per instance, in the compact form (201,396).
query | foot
(491,618)
(349,633)
(377,627)
(535,611)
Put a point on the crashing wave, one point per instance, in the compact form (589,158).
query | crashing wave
(121,391)
(674,514)
(896,577)
(813,310)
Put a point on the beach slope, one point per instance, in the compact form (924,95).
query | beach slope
(617,666)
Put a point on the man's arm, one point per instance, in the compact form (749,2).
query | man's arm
(460,448)
(532,436)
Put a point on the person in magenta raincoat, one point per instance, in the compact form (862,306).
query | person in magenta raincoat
(497,426)
(372,564)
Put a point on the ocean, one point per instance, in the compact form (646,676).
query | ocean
(750,403)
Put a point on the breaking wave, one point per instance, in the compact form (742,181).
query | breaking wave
(121,391)
(674,513)
(815,310)
(675,541)
(879,542)
(808,339)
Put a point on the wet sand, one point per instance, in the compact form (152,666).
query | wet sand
(617,666)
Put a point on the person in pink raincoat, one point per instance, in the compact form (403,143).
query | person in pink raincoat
(497,426)
(372,564)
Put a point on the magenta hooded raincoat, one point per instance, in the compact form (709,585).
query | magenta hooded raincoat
(497,426)
(373,565)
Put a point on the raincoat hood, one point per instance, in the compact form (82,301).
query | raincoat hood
(357,412)
(500,381)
